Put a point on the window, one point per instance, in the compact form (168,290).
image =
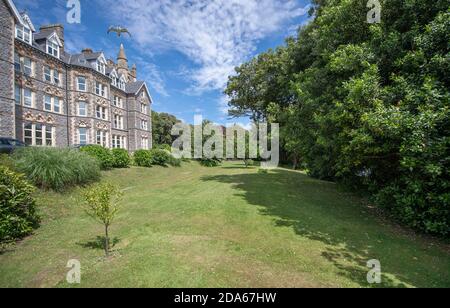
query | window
(100,89)
(17,64)
(82,136)
(144,143)
(122,85)
(23,34)
(119,142)
(18,94)
(27,66)
(38,135)
(23,96)
(56,78)
(144,108)
(102,138)
(118,121)
(27,98)
(47,103)
(101,113)
(82,111)
(47,74)
(114,81)
(28,134)
(118,102)
(52,104)
(101,67)
(81,84)
(144,125)
(53,49)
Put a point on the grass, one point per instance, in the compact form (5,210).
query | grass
(224,227)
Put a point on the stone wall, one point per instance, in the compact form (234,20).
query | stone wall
(7,118)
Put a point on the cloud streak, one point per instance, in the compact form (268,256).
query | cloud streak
(215,35)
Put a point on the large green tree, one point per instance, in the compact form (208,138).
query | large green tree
(364,104)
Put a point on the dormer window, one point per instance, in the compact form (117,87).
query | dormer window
(24,34)
(122,85)
(53,49)
(101,67)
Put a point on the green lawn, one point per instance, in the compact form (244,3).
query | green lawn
(224,227)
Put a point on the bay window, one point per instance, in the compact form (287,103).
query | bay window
(82,111)
(101,112)
(53,49)
(102,138)
(23,33)
(82,136)
(81,84)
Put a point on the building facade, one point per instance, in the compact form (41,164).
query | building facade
(49,97)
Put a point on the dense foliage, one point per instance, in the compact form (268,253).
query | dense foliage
(18,215)
(103,155)
(364,104)
(162,124)
(56,169)
(121,158)
(143,158)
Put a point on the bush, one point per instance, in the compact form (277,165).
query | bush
(7,161)
(161,157)
(121,158)
(18,215)
(103,155)
(143,158)
(210,162)
(56,169)
(164,147)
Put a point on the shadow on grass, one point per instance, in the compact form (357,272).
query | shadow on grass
(99,243)
(352,236)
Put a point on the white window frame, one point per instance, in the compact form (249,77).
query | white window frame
(79,83)
(144,124)
(118,121)
(119,142)
(55,104)
(79,109)
(101,67)
(26,98)
(43,138)
(86,136)
(101,113)
(52,49)
(144,108)
(24,34)
(101,138)
(48,74)
(27,67)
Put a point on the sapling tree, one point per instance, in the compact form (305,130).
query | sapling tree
(102,203)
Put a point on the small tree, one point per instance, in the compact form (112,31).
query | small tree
(102,203)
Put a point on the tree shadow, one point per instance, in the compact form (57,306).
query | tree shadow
(352,235)
(99,243)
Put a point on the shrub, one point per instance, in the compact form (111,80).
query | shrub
(164,147)
(248,163)
(103,155)
(121,158)
(161,157)
(174,162)
(18,215)
(210,162)
(7,161)
(57,169)
(143,158)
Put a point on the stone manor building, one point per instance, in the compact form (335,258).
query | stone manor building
(49,97)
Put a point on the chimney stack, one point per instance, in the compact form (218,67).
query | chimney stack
(87,51)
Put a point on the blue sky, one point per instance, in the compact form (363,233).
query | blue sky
(184,49)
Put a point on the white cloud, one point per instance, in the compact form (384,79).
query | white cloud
(216,35)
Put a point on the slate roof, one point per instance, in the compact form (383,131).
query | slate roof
(133,87)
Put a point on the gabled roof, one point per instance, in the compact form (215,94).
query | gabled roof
(47,35)
(28,21)
(135,87)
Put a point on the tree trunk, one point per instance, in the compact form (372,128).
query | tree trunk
(295,162)
(106,241)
